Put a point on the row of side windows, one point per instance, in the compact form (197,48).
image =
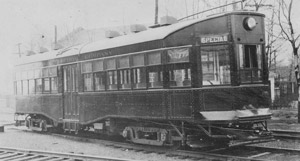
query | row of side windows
(36,81)
(138,71)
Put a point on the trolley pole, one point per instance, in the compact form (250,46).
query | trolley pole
(19,49)
(156,13)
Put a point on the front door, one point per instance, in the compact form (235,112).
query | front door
(70,93)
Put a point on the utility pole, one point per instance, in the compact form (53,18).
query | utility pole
(156,12)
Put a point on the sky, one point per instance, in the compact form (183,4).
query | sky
(24,21)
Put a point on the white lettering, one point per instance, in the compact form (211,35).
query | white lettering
(214,39)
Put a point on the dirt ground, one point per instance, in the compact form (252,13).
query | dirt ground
(285,119)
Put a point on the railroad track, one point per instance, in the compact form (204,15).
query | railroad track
(243,153)
(262,153)
(184,154)
(12,154)
(287,134)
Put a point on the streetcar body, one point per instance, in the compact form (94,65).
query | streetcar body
(155,85)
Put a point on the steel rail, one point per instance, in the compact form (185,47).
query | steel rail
(15,154)
(289,134)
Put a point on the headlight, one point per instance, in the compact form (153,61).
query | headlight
(249,23)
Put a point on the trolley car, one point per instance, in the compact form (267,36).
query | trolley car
(195,83)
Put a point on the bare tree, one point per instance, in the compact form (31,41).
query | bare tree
(257,4)
(290,35)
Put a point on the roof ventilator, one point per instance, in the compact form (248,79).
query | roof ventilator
(43,50)
(167,20)
(112,34)
(135,28)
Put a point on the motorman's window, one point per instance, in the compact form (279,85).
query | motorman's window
(88,76)
(215,65)
(250,62)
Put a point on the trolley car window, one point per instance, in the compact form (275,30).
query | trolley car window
(31,86)
(25,87)
(180,77)
(111,64)
(154,58)
(215,65)
(178,55)
(45,72)
(31,74)
(87,69)
(99,81)
(19,87)
(24,75)
(98,65)
(37,73)
(155,75)
(123,62)
(139,78)
(138,60)
(250,63)
(112,80)
(54,84)
(18,76)
(53,79)
(88,82)
(46,85)
(125,79)
(39,85)
(53,72)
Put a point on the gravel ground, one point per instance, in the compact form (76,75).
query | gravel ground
(16,138)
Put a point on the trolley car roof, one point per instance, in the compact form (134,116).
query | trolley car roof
(124,40)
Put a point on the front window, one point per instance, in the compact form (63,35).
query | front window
(250,63)
(215,65)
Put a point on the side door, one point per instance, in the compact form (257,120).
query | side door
(70,92)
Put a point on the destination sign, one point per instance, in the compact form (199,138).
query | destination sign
(214,39)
